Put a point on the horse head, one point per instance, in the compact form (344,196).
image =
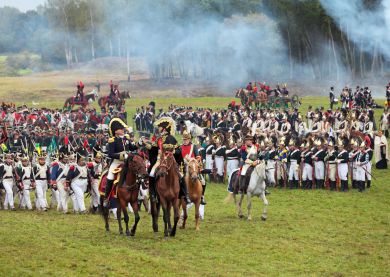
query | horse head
(193,169)
(136,164)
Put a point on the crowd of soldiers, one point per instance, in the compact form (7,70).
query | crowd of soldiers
(322,148)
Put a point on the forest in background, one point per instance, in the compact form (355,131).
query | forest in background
(228,40)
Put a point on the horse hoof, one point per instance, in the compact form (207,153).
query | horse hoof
(240,216)
(263,218)
(172,234)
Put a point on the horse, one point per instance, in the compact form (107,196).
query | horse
(119,102)
(167,186)
(256,187)
(127,192)
(88,98)
(194,190)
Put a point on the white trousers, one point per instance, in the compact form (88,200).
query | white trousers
(26,200)
(9,194)
(219,164)
(332,172)
(41,187)
(63,196)
(360,173)
(368,173)
(319,170)
(342,170)
(95,196)
(115,163)
(270,172)
(293,171)
(307,172)
(209,162)
(55,198)
(231,165)
(79,187)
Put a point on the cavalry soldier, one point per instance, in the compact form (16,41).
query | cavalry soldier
(26,182)
(294,158)
(307,170)
(78,179)
(165,144)
(97,172)
(59,171)
(250,162)
(189,151)
(362,159)
(331,165)
(117,152)
(80,92)
(219,158)
(42,177)
(342,165)
(8,179)
(319,166)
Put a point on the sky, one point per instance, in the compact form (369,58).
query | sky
(23,5)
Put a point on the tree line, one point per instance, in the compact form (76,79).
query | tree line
(68,32)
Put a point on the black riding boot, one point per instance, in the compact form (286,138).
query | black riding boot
(368,184)
(183,189)
(202,201)
(152,189)
(107,193)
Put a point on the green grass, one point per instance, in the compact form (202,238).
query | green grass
(308,233)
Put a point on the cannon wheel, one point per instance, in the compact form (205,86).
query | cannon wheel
(295,101)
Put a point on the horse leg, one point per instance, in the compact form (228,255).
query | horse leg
(197,204)
(265,201)
(136,217)
(185,214)
(105,213)
(239,204)
(126,219)
(169,205)
(176,217)
(119,218)
(154,211)
(249,205)
(165,217)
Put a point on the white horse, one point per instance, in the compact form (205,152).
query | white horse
(256,187)
(194,129)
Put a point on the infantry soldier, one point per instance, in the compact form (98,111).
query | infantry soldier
(97,172)
(26,182)
(42,177)
(331,165)
(342,165)
(307,171)
(59,171)
(233,156)
(7,176)
(361,161)
(294,158)
(270,160)
(319,166)
(281,163)
(219,158)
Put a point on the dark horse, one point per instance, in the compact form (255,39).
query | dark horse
(167,185)
(135,175)
(88,98)
(118,102)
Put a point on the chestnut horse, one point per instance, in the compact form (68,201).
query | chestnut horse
(127,192)
(194,190)
(167,185)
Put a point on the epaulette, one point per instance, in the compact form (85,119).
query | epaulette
(54,164)
(111,140)
(72,167)
(90,165)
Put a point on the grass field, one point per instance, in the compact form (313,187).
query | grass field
(308,233)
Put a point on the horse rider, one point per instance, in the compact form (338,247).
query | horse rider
(165,144)
(249,163)
(118,145)
(80,92)
(189,151)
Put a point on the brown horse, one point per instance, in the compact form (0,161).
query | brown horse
(127,192)
(88,98)
(167,185)
(107,101)
(194,190)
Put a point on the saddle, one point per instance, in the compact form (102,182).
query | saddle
(103,181)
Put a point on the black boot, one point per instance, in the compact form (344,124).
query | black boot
(107,192)
(184,191)
(333,185)
(368,184)
(152,189)
(354,185)
(322,184)
(202,201)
